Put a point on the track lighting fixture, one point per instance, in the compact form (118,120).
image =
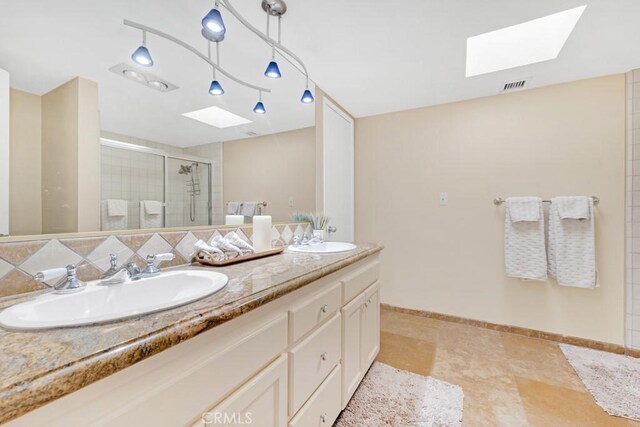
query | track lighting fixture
(259,108)
(141,55)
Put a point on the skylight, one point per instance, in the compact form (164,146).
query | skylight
(217,117)
(533,41)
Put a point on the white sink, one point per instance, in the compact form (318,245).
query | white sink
(324,248)
(103,303)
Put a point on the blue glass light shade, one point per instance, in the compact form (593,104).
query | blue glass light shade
(272,70)
(307,97)
(216,88)
(259,108)
(213,23)
(142,56)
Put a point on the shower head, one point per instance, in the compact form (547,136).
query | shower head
(184,170)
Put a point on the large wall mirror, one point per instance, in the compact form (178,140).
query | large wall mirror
(100,143)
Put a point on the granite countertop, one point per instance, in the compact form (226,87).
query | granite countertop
(40,366)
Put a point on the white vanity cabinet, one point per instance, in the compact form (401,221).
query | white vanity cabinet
(294,362)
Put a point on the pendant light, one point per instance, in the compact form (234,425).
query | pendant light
(273,71)
(307,96)
(215,88)
(259,108)
(141,55)
(213,23)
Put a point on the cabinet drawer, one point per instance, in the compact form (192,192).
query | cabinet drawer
(356,282)
(312,360)
(308,315)
(323,407)
(262,399)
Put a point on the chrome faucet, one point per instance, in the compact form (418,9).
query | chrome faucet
(131,271)
(151,270)
(305,241)
(69,285)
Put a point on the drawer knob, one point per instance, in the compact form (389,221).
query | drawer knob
(324,308)
(323,356)
(323,418)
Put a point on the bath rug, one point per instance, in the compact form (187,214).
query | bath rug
(612,379)
(395,398)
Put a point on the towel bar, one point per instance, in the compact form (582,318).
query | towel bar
(499,200)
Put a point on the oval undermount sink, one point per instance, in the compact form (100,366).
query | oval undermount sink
(104,303)
(324,247)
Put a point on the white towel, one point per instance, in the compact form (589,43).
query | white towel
(117,207)
(149,221)
(112,223)
(210,251)
(524,251)
(577,207)
(572,249)
(152,207)
(249,208)
(523,208)
(233,208)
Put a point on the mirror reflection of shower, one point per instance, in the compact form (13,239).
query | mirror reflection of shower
(193,186)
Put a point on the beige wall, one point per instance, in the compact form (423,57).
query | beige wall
(25,193)
(567,139)
(70,147)
(272,168)
(88,156)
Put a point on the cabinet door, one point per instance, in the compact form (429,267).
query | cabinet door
(352,324)
(371,326)
(262,400)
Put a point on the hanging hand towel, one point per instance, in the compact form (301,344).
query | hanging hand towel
(524,208)
(152,207)
(233,208)
(117,207)
(573,207)
(150,220)
(249,208)
(113,222)
(524,251)
(572,249)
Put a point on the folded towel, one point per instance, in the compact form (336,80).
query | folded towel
(523,208)
(524,250)
(208,251)
(230,250)
(249,208)
(236,241)
(572,251)
(233,208)
(117,207)
(573,207)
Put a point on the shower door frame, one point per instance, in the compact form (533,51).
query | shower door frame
(112,143)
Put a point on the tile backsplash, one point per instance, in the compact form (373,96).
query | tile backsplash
(20,261)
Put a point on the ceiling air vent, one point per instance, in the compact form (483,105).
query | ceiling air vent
(251,133)
(514,85)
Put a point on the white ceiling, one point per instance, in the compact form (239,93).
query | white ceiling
(371,56)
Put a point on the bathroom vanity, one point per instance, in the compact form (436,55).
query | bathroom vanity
(286,343)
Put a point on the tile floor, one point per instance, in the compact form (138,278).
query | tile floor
(508,380)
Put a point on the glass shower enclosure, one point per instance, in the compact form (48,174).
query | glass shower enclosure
(143,179)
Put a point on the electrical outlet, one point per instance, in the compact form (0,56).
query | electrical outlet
(291,201)
(444,199)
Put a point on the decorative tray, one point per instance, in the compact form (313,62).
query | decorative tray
(235,260)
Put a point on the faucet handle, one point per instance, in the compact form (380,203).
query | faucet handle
(151,269)
(114,261)
(69,285)
(52,273)
(160,257)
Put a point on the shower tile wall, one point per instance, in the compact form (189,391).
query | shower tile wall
(131,176)
(632,273)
